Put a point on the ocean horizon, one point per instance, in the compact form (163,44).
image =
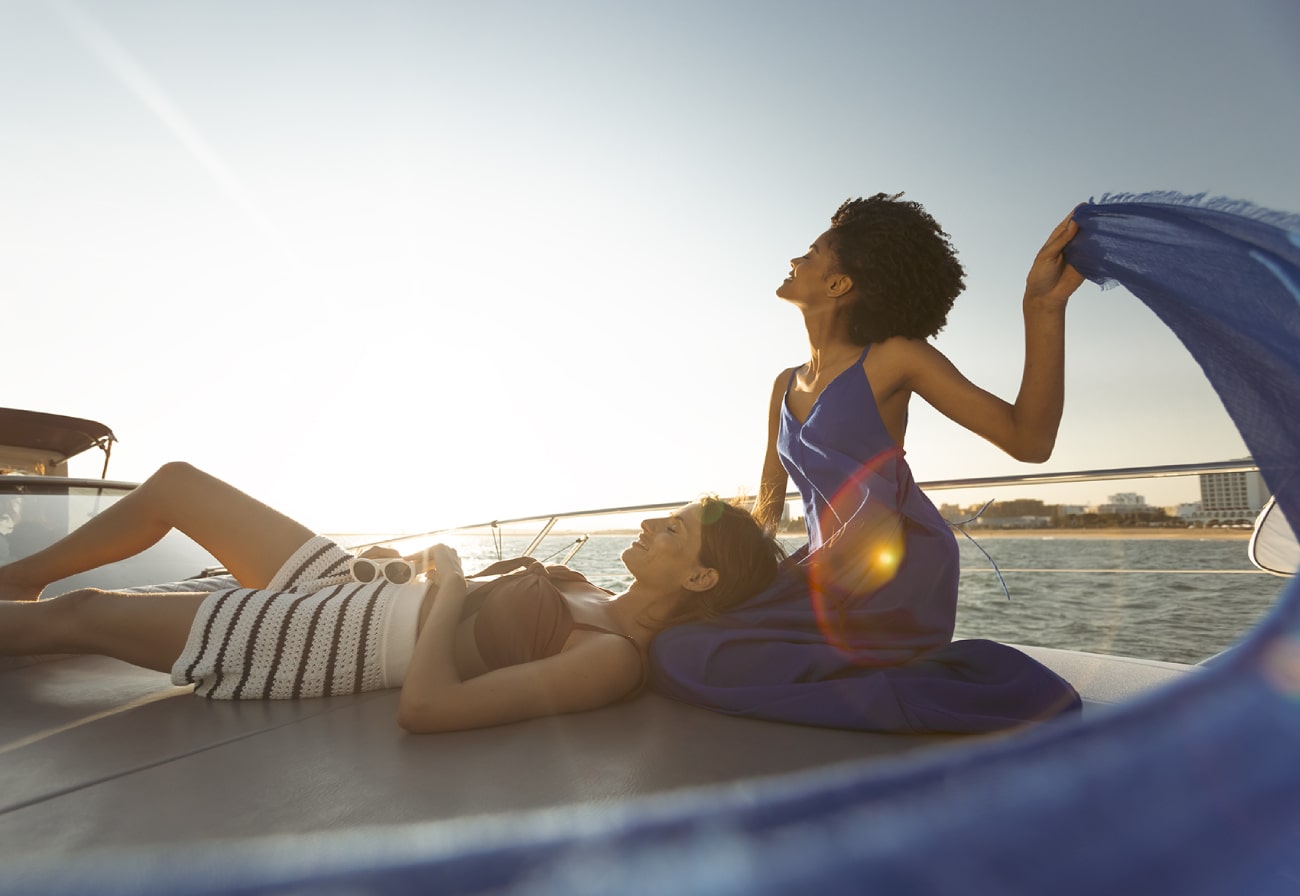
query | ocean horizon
(1174,599)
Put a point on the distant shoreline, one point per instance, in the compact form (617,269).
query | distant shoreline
(1113,532)
(1200,534)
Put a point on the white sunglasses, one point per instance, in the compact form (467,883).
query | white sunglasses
(393,569)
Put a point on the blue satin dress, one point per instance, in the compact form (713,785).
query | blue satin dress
(883,563)
(856,630)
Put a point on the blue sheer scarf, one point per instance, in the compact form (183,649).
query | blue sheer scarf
(1223,275)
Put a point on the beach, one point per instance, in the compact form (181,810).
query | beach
(1199,534)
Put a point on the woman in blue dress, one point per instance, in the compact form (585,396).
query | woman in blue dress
(857,630)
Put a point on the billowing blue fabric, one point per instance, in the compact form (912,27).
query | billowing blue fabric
(1225,277)
(856,631)
(1191,790)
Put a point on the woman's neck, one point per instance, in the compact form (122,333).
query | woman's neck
(635,610)
(830,359)
(828,343)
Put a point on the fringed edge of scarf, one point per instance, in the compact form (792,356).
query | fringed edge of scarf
(1241,207)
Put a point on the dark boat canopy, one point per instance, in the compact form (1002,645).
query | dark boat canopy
(35,442)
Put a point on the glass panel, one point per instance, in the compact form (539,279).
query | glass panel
(35,514)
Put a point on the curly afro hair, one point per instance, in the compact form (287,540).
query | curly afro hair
(905,271)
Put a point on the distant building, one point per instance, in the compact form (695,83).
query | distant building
(1131,499)
(1229,498)
(1125,504)
(953,513)
(1019,522)
(999,515)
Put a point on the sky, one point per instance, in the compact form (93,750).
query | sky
(394,266)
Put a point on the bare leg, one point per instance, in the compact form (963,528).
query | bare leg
(250,539)
(147,630)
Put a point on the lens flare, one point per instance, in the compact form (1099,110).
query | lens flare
(848,571)
(713,509)
(861,545)
(857,546)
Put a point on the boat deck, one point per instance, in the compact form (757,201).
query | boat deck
(98,755)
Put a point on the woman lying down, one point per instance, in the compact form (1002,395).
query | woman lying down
(311,620)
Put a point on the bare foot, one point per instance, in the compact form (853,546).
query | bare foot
(14,590)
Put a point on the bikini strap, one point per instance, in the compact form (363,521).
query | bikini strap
(645,660)
(592,627)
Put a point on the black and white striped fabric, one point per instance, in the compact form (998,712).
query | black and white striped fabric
(312,632)
(319,563)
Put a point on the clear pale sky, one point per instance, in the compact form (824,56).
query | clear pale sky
(494,258)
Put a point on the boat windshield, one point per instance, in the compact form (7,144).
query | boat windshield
(35,512)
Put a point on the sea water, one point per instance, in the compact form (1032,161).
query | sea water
(1177,599)
(1180,599)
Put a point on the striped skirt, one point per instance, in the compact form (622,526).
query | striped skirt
(312,632)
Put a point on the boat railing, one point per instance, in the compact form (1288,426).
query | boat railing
(1102,595)
(547,521)
(542,525)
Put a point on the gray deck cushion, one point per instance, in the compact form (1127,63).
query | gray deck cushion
(95,754)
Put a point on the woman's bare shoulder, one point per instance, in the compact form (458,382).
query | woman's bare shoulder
(783,378)
(901,357)
(780,385)
(909,365)
(904,347)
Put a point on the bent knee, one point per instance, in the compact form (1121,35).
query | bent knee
(176,470)
(73,603)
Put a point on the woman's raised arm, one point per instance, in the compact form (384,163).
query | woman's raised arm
(1026,429)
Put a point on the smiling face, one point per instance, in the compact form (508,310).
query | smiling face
(815,275)
(666,554)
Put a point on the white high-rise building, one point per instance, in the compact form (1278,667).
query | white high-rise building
(1230,497)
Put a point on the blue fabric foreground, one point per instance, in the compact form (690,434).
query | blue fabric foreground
(1193,790)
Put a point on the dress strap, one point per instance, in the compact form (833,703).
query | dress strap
(794,371)
(960,526)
